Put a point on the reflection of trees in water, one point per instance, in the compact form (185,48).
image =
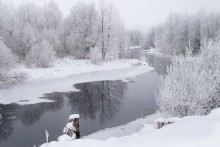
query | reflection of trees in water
(6,124)
(32,113)
(28,114)
(98,98)
(101,99)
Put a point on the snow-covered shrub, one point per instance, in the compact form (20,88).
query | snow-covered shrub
(7,59)
(191,84)
(7,63)
(9,78)
(211,62)
(95,55)
(41,55)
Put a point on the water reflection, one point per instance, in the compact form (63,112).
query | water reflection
(101,105)
(98,98)
(95,100)
(28,114)
(32,113)
(6,126)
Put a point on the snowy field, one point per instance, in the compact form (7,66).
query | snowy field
(191,131)
(65,74)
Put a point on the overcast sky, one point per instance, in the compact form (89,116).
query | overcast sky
(141,14)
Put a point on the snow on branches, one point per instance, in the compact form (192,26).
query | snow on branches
(41,55)
(191,85)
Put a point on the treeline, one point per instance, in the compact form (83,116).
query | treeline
(182,31)
(33,33)
(35,36)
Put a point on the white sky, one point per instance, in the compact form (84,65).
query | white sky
(141,14)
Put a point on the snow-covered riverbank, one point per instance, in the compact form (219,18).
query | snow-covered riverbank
(69,67)
(156,52)
(64,75)
(193,131)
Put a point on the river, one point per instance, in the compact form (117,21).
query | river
(101,105)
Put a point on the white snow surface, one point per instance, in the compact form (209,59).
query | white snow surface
(69,66)
(156,52)
(61,78)
(172,119)
(65,137)
(73,116)
(192,131)
(135,47)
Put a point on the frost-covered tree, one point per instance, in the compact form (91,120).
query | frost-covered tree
(41,55)
(7,62)
(149,41)
(7,22)
(29,25)
(135,37)
(122,44)
(53,25)
(173,36)
(110,26)
(88,27)
(95,55)
(81,29)
(191,85)
(7,59)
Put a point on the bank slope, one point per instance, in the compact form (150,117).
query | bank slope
(193,131)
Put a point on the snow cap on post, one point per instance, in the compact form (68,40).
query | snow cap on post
(161,120)
(73,116)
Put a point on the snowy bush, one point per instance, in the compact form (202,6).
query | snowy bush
(7,62)
(95,55)
(41,55)
(191,85)
(7,59)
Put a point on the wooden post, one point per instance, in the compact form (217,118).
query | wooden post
(77,126)
(160,122)
(74,118)
(160,125)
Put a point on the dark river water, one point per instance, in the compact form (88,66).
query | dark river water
(101,105)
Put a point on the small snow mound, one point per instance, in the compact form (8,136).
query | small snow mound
(66,137)
(69,126)
(172,119)
(73,116)
(161,120)
(215,112)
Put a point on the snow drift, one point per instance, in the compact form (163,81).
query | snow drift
(191,131)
